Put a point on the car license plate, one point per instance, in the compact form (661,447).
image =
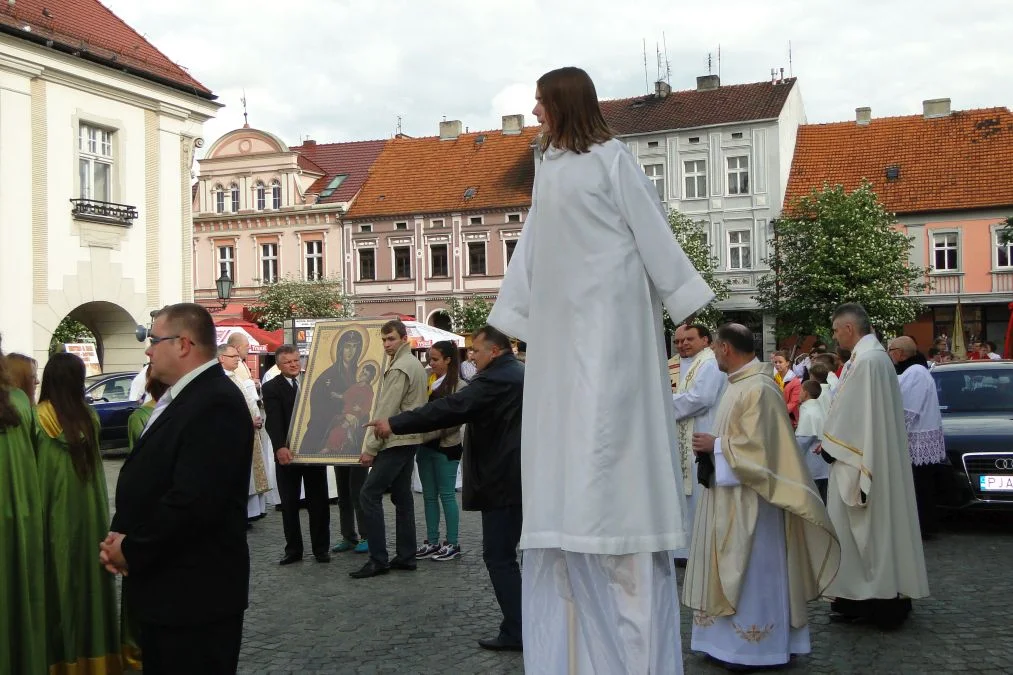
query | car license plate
(996,483)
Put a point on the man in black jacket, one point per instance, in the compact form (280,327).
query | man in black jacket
(179,534)
(279,400)
(491,407)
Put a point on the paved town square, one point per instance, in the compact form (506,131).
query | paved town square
(312,618)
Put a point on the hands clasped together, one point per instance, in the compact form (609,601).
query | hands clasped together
(111,554)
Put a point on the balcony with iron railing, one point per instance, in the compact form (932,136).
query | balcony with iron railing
(97,211)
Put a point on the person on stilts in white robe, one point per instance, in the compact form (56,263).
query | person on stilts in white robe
(602,512)
(763,545)
(871,496)
(695,400)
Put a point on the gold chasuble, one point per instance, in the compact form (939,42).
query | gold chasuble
(758,443)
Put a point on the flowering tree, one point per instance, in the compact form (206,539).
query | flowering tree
(833,247)
(468,317)
(693,240)
(290,298)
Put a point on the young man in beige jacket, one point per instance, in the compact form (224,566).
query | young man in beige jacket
(404,388)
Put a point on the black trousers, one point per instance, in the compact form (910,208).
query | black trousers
(314,478)
(883,612)
(928,494)
(200,649)
(392,470)
(350,480)
(501,533)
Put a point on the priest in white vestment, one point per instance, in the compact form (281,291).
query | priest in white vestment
(695,400)
(763,545)
(595,262)
(924,424)
(871,493)
(809,433)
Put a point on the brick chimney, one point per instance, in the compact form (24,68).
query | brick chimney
(662,89)
(309,141)
(450,130)
(708,82)
(512,124)
(936,107)
(863,116)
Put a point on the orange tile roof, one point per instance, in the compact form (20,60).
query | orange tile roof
(689,109)
(429,175)
(89,30)
(961,161)
(351,159)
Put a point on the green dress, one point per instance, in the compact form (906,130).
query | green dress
(82,626)
(137,421)
(22,590)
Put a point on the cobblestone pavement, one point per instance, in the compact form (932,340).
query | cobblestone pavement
(313,618)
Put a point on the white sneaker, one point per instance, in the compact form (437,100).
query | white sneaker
(427,550)
(448,552)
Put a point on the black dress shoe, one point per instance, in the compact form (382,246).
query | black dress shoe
(398,564)
(322,557)
(370,569)
(501,644)
(290,558)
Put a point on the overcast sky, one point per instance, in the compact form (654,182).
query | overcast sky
(338,70)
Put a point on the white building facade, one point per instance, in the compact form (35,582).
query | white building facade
(95,196)
(721,155)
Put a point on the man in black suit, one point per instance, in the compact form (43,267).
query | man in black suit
(279,400)
(179,533)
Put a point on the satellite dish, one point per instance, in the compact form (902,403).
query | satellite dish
(141,333)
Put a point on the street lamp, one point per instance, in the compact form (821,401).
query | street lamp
(224,286)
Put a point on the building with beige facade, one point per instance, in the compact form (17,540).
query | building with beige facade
(98,130)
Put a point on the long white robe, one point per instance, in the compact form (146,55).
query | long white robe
(870,496)
(809,434)
(922,418)
(596,259)
(699,403)
(257,502)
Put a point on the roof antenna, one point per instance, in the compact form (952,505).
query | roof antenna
(668,64)
(657,55)
(246,119)
(791,73)
(719,60)
(647,84)
(710,69)
(399,125)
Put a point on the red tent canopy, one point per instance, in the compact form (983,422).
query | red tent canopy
(1007,349)
(269,339)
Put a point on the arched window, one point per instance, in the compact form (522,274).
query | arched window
(261,196)
(219,195)
(234,191)
(275,194)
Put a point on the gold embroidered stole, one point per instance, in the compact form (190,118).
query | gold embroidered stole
(685,426)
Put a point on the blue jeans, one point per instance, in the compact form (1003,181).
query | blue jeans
(438,475)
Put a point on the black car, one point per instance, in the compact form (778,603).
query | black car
(109,395)
(976,400)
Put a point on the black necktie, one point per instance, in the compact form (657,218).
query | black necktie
(295,386)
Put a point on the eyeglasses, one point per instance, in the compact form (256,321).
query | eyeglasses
(231,356)
(154,339)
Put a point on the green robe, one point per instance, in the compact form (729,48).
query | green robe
(22,591)
(82,626)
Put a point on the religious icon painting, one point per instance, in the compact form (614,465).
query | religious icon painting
(340,391)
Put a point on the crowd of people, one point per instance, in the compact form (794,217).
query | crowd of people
(772,484)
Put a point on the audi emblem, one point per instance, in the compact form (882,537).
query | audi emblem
(1004,464)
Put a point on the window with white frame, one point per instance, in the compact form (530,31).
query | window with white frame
(95,163)
(314,260)
(367,264)
(439,261)
(738,175)
(513,218)
(227,262)
(402,262)
(1003,252)
(476,258)
(219,196)
(739,250)
(401,226)
(436,222)
(511,246)
(656,172)
(944,251)
(475,220)
(234,196)
(261,196)
(695,171)
(268,263)
(275,194)
(366,228)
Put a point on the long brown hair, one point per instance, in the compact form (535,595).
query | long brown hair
(22,370)
(571,105)
(448,350)
(8,414)
(63,387)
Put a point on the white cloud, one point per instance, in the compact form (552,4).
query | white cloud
(345,69)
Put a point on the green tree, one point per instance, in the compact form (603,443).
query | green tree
(832,247)
(693,239)
(469,316)
(1006,233)
(70,330)
(290,298)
